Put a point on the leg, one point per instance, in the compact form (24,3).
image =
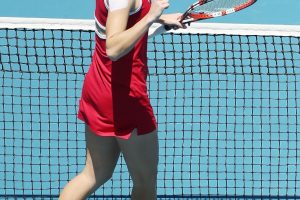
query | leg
(141,156)
(101,158)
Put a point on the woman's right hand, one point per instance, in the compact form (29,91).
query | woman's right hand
(157,8)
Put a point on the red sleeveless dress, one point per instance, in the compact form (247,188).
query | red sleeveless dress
(114,98)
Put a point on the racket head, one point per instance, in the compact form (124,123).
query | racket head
(205,9)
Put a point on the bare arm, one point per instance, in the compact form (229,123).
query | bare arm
(119,40)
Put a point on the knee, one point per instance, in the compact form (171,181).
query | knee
(97,177)
(144,175)
(102,178)
(145,180)
(145,188)
(143,192)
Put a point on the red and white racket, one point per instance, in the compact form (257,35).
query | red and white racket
(205,9)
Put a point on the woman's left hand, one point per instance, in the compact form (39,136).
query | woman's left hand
(172,20)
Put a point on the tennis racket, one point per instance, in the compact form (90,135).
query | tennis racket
(206,9)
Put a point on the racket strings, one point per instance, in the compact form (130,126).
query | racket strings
(216,6)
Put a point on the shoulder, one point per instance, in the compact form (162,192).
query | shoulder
(113,5)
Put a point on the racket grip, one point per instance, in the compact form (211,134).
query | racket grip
(168,27)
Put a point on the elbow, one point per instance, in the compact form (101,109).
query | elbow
(113,52)
(112,55)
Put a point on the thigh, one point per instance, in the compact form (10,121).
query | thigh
(141,156)
(102,154)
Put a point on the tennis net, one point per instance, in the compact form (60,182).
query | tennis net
(226,98)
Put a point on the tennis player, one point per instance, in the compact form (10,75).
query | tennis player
(114,104)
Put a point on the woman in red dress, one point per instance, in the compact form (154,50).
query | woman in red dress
(114,104)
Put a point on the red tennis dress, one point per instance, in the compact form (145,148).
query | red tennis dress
(114,98)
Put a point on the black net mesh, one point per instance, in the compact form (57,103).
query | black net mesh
(227,109)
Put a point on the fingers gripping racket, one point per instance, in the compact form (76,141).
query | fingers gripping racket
(206,9)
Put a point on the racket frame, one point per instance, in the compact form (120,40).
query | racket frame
(188,17)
